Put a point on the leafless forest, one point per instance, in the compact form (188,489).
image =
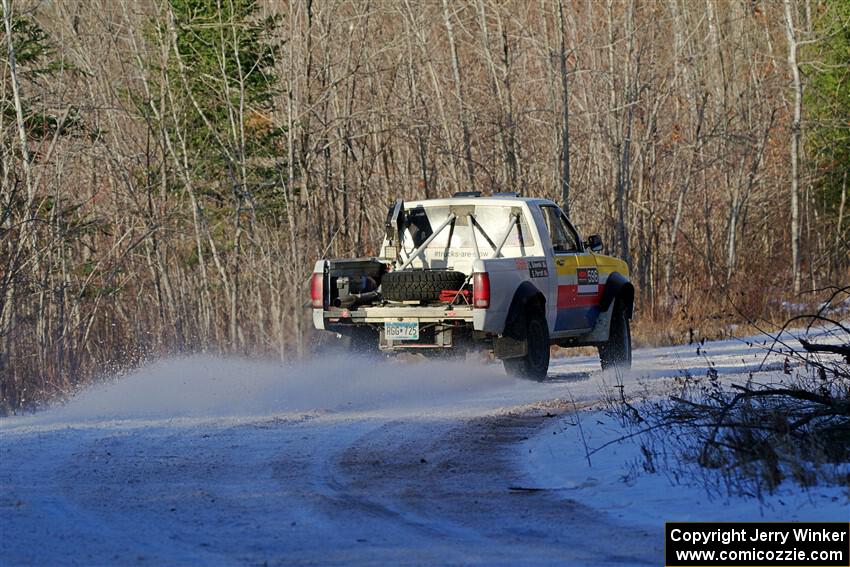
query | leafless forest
(171,169)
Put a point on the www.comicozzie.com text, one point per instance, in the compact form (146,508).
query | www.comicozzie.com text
(743,534)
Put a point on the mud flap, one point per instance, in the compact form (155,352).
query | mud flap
(507,347)
(513,343)
(600,331)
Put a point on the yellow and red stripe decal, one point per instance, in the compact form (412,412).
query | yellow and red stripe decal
(569,296)
(580,290)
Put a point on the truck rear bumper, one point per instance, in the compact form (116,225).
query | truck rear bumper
(439,326)
(383,314)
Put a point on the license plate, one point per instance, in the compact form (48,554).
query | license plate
(402,330)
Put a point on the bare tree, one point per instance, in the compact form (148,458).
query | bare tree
(791,35)
(658,125)
(565,132)
(461,101)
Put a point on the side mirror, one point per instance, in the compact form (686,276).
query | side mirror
(594,242)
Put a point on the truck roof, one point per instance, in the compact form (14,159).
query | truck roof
(503,201)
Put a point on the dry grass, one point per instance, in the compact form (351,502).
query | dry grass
(750,438)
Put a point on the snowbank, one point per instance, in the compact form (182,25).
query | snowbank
(615,482)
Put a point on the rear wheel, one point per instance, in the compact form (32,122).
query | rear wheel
(617,351)
(535,364)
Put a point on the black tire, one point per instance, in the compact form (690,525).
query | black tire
(419,285)
(535,364)
(617,352)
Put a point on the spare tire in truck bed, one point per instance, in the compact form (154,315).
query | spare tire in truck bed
(419,285)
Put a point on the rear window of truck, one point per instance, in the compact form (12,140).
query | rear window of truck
(490,222)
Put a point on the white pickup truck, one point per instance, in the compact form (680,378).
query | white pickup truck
(503,273)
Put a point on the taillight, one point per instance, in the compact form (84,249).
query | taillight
(317,285)
(481,290)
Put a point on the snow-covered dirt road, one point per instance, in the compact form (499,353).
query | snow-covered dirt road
(222,462)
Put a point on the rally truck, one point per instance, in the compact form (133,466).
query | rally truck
(504,273)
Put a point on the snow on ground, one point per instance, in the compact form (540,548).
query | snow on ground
(202,460)
(614,483)
(557,458)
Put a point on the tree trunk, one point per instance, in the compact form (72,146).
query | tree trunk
(467,144)
(565,102)
(791,35)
